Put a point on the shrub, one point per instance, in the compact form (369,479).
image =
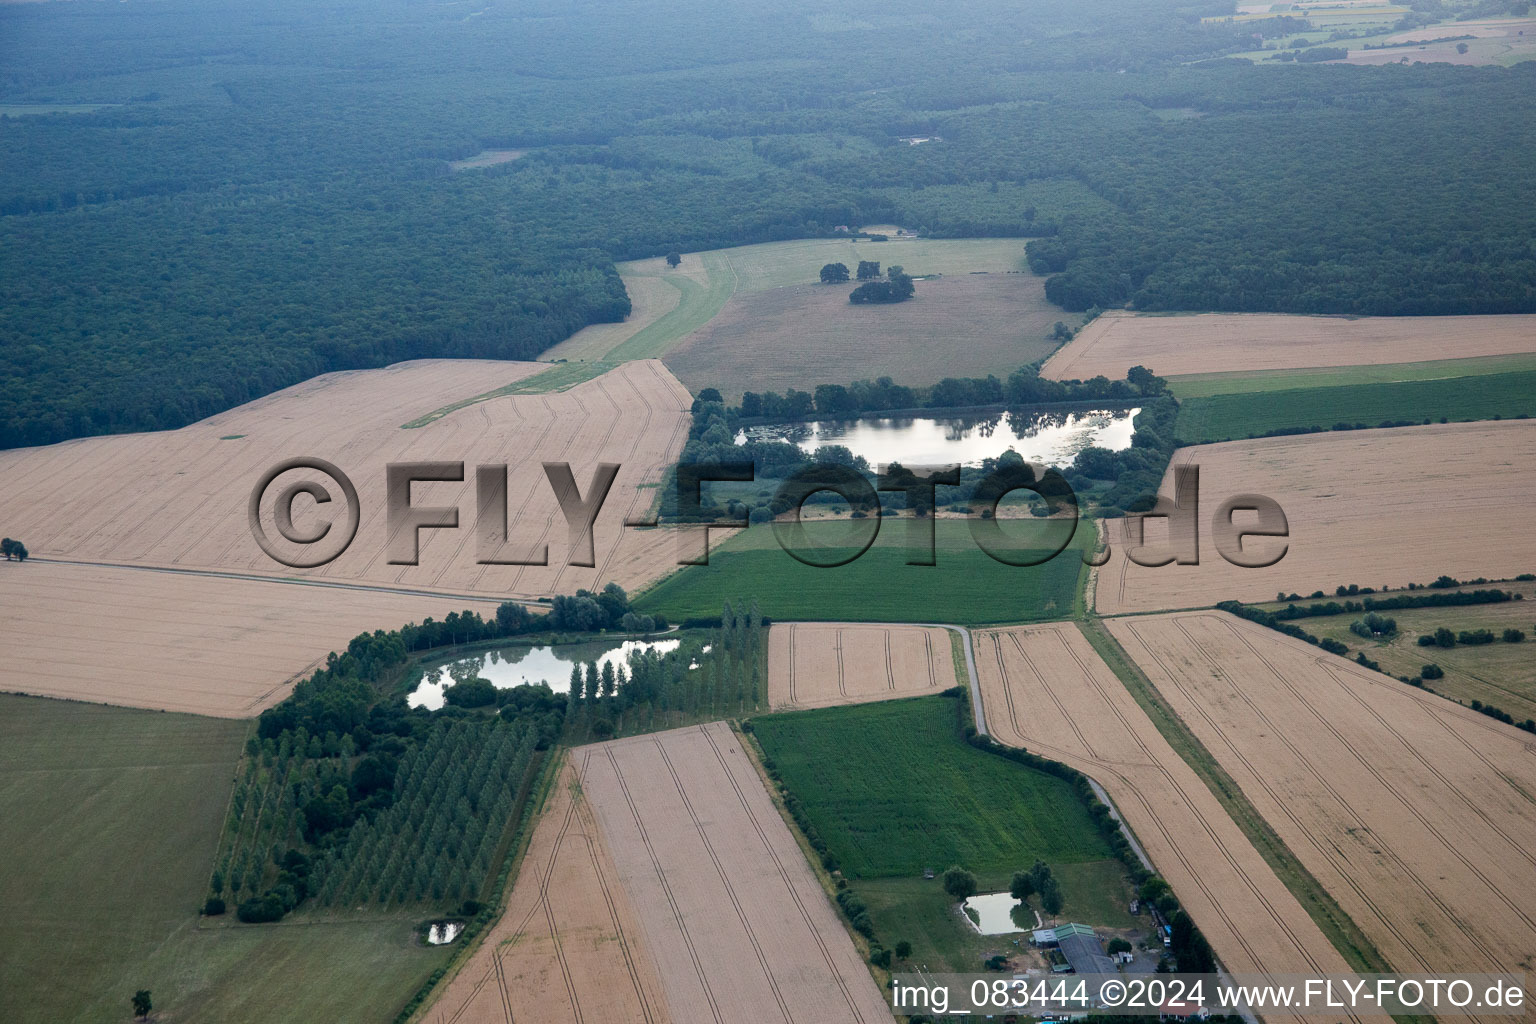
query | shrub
(1444,637)
(214,907)
(1426,639)
(1474,637)
(1432,671)
(1514,636)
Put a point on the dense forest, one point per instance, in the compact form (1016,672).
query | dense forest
(241,197)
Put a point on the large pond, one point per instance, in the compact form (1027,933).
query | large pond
(519,666)
(998,913)
(1053,438)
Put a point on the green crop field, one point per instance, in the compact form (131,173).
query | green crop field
(1201,385)
(965,586)
(893,789)
(110,818)
(1480,397)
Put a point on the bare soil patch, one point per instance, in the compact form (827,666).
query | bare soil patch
(1045,688)
(1417,815)
(567,946)
(486,158)
(956,326)
(823,664)
(735,921)
(1369,507)
(177,642)
(1226,342)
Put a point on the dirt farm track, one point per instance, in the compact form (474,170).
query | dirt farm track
(1369,507)
(1044,688)
(1417,815)
(820,664)
(728,912)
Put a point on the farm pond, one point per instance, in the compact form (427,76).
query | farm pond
(1053,438)
(998,913)
(519,666)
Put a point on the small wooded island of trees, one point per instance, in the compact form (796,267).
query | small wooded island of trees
(897,287)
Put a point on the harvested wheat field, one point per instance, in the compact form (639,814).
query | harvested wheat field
(178,499)
(1492,41)
(1417,815)
(813,665)
(785,337)
(1046,689)
(204,644)
(731,915)
(1229,342)
(1369,507)
(567,947)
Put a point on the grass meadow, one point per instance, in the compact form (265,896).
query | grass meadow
(893,789)
(1220,417)
(707,280)
(111,817)
(1501,674)
(965,586)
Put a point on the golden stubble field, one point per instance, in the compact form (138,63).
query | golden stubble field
(108,628)
(178,499)
(1369,507)
(204,644)
(735,922)
(1228,342)
(823,664)
(567,947)
(1044,688)
(1417,815)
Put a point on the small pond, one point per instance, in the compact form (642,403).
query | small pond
(518,666)
(440,933)
(998,913)
(1053,438)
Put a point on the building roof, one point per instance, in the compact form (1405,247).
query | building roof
(1084,952)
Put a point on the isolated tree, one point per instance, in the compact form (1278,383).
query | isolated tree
(903,949)
(142,1004)
(834,273)
(1461,47)
(959,883)
(674,258)
(1118,945)
(13,549)
(868,270)
(1051,900)
(1022,886)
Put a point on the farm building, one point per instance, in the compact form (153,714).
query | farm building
(1079,945)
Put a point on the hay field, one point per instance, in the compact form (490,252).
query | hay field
(1415,814)
(1371,507)
(1046,689)
(178,499)
(1223,342)
(567,946)
(814,665)
(670,303)
(732,916)
(809,333)
(204,644)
